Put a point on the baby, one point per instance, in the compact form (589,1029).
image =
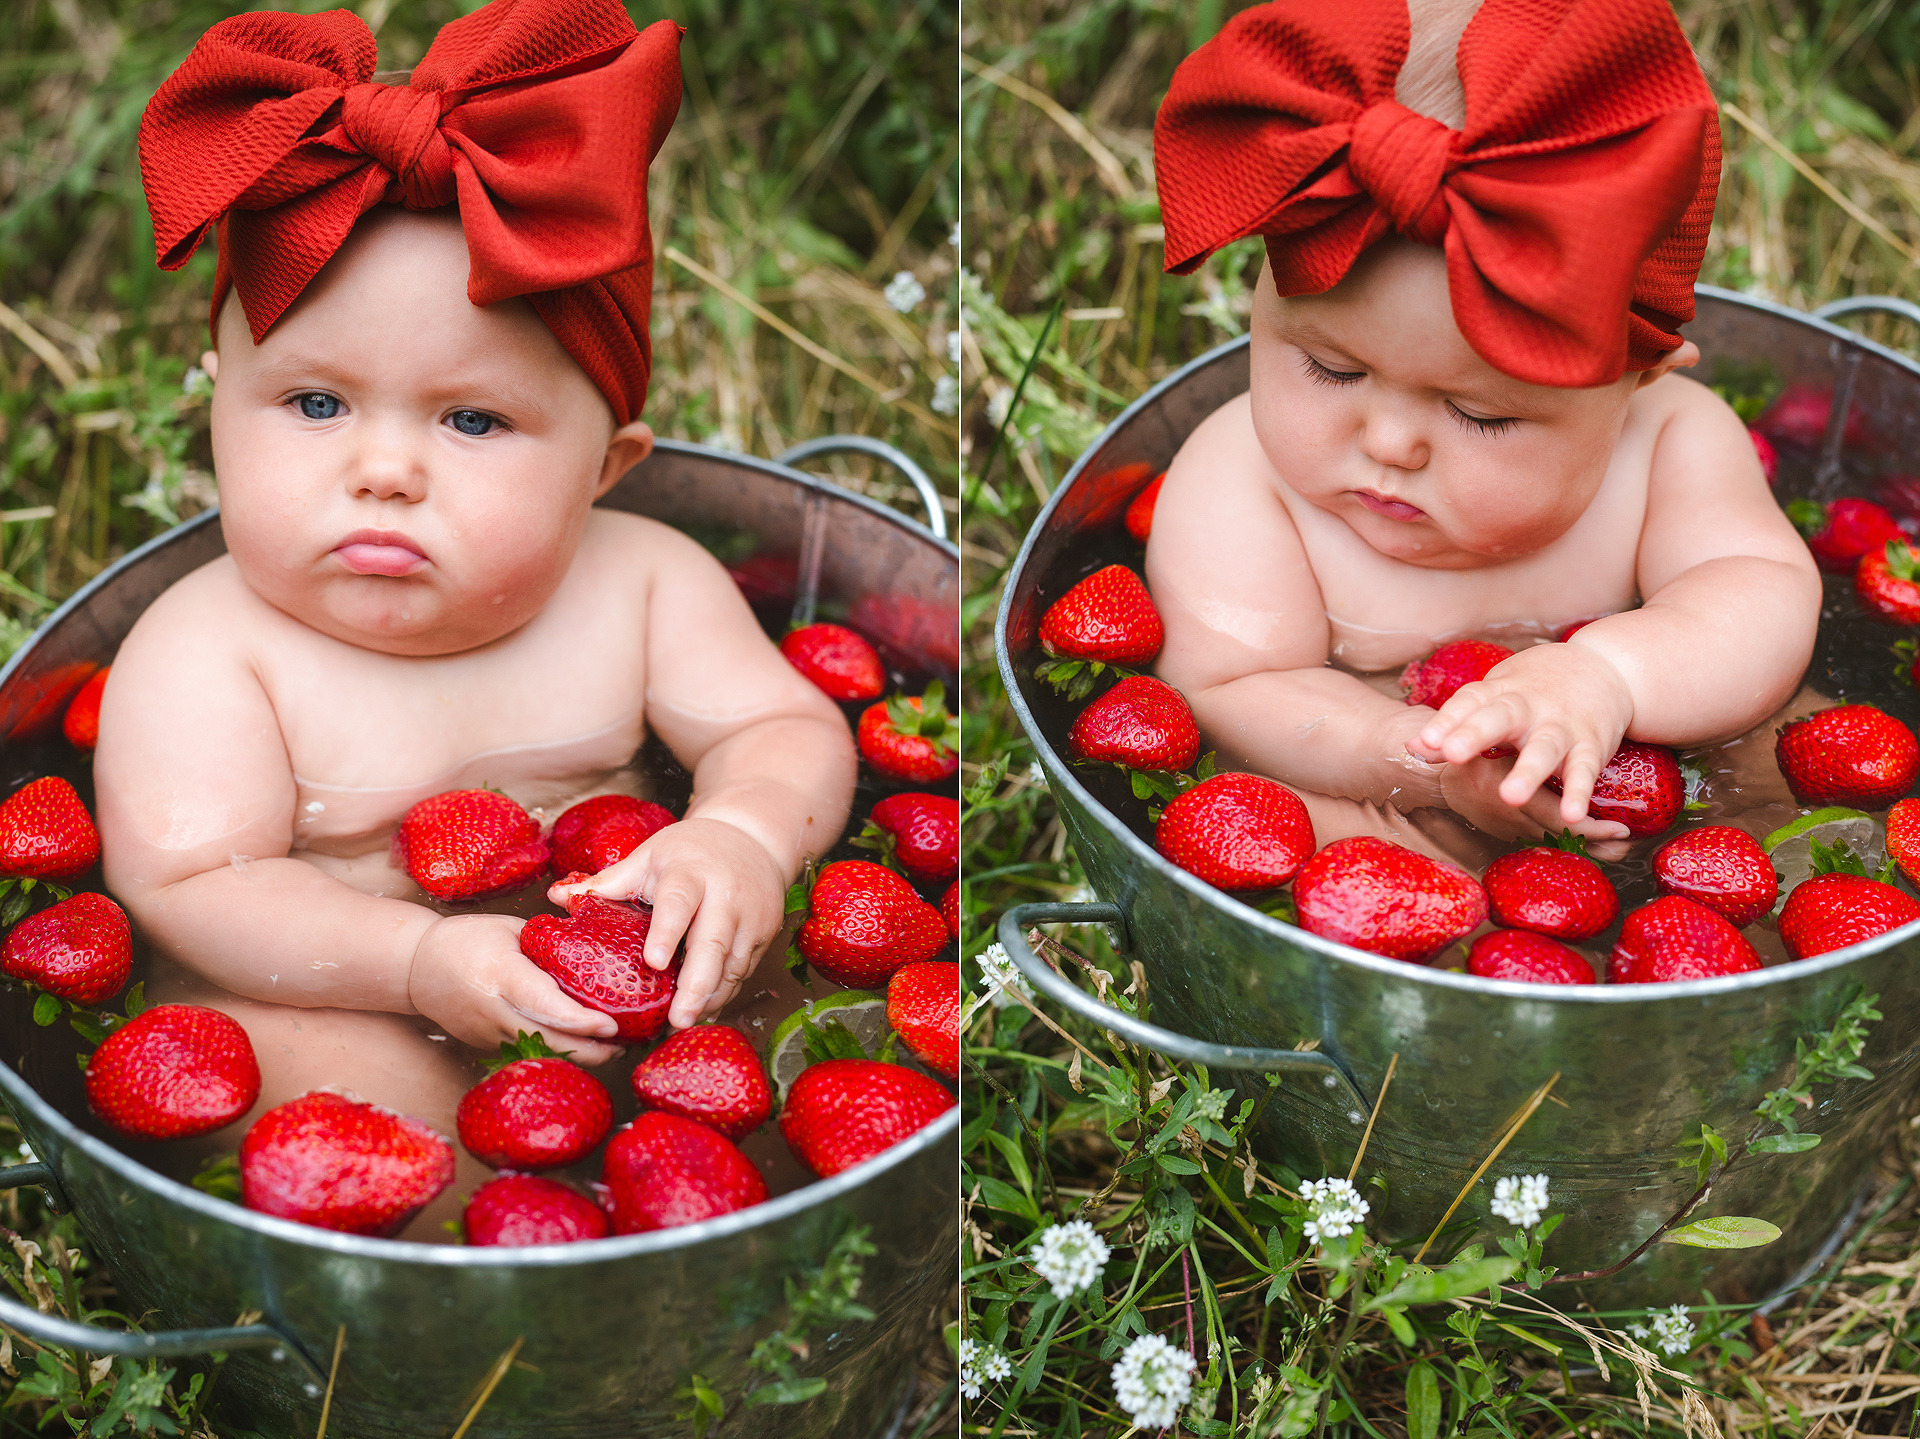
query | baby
(415,406)
(1464,417)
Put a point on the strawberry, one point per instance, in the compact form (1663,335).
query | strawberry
(82,723)
(1108,617)
(468,843)
(1237,831)
(1721,867)
(1528,957)
(1551,890)
(923,1006)
(710,1074)
(46,833)
(1800,417)
(1432,681)
(171,1071)
(841,1112)
(662,1171)
(1832,911)
(1573,629)
(767,579)
(911,738)
(1140,511)
(594,956)
(1840,533)
(1852,755)
(1640,787)
(1380,897)
(1674,938)
(80,949)
(864,922)
(918,630)
(1764,450)
(1142,723)
(603,830)
(950,910)
(534,1110)
(336,1163)
(925,833)
(520,1209)
(841,663)
(1888,582)
(1903,838)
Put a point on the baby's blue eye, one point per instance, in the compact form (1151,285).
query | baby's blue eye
(471,422)
(317,406)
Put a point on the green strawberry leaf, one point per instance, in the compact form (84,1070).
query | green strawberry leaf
(523,1046)
(1904,651)
(1205,770)
(800,892)
(81,1059)
(880,841)
(1808,516)
(46,1009)
(1277,905)
(1902,560)
(830,1040)
(88,1026)
(885,1056)
(14,909)
(220,1177)
(456,1228)
(1566,839)
(1155,783)
(1694,775)
(1836,858)
(137,1000)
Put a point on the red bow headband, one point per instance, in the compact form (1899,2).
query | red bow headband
(538,118)
(1573,203)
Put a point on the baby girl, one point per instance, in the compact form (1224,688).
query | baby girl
(1482,226)
(430,330)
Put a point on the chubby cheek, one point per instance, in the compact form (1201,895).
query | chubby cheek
(1304,429)
(1516,504)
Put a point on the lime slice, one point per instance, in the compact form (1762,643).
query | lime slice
(1791,846)
(862,1013)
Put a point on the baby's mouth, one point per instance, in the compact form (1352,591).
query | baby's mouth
(379,552)
(1392,509)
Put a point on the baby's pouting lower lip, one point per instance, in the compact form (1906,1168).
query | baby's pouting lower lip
(1392,509)
(370,559)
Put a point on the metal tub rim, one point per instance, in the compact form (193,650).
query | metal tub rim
(1060,771)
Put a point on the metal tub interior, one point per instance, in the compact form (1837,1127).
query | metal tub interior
(1640,1066)
(608,1329)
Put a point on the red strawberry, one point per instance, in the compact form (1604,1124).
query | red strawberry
(1140,511)
(767,579)
(1832,911)
(1528,957)
(1433,680)
(926,833)
(841,663)
(1768,456)
(864,922)
(80,949)
(1800,416)
(1640,787)
(1237,831)
(82,724)
(46,833)
(535,1111)
(1888,582)
(911,738)
(1380,897)
(950,909)
(594,956)
(1553,891)
(662,1171)
(710,1074)
(1573,629)
(171,1071)
(923,1006)
(1851,755)
(1721,867)
(841,1112)
(1674,938)
(1840,533)
(520,1209)
(603,830)
(333,1162)
(920,631)
(469,842)
(1142,723)
(1108,616)
(1903,838)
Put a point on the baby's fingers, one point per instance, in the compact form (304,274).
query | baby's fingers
(702,973)
(1545,748)
(1479,726)
(536,996)
(676,899)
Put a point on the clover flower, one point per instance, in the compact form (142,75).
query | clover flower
(1521,1199)
(903,292)
(1672,1332)
(1002,980)
(1152,1380)
(1070,1257)
(1337,1207)
(946,396)
(980,1365)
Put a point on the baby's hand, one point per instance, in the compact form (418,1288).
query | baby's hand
(1562,706)
(713,883)
(470,977)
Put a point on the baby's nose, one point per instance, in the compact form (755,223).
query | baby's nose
(386,472)
(1396,441)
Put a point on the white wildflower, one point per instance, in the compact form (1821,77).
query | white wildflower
(946,396)
(953,347)
(1212,1105)
(1070,1257)
(1083,894)
(980,1365)
(1152,1381)
(998,403)
(903,292)
(1672,1332)
(1337,1207)
(1521,1199)
(1002,980)
(953,235)
(1036,777)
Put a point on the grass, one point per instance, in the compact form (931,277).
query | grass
(1820,199)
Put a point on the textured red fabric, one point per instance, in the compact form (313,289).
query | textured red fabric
(1572,204)
(537,118)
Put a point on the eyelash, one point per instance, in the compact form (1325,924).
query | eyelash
(500,426)
(1497,426)
(1322,375)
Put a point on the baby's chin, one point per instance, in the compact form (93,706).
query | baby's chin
(404,616)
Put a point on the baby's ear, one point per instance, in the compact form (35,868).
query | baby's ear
(628,446)
(1687,356)
(210,362)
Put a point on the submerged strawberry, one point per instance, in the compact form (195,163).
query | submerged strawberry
(1552,891)
(172,1071)
(663,1171)
(1673,938)
(1530,958)
(1721,867)
(1386,899)
(1903,838)
(521,1209)
(1641,787)
(1852,755)
(1139,519)
(1801,414)
(46,832)
(333,1162)
(534,1111)
(925,829)
(601,831)
(710,1074)
(1764,451)
(1840,533)
(80,949)
(1832,911)
(1888,582)
(911,738)
(594,956)
(468,843)
(839,662)
(841,1112)
(923,1006)
(82,723)
(1237,831)
(1108,617)
(864,922)
(1142,723)
(1433,680)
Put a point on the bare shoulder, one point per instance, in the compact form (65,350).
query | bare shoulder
(209,611)
(1679,408)
(642,548)
(1226,434)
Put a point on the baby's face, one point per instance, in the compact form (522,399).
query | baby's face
(399,468)
(1371,405)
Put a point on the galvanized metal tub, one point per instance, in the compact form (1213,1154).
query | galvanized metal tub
(1640,1066)
(607,1329)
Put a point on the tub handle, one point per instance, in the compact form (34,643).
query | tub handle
(1013,935)
(881,450)
(160,1344)
(1870,304)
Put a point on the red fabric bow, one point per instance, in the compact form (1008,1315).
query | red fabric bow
(538,118)
(1573,203)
